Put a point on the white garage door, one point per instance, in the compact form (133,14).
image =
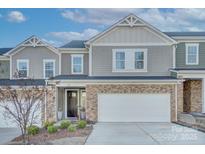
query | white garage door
(133,107)
(6,122)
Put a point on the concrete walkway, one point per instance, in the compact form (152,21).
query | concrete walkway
(144,133)
(7,134)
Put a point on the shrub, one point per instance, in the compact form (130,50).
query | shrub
(52,129)
(33,130)
(82,124)
(65,124)
(71,128)
(48,123)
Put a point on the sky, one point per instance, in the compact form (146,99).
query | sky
(59,26)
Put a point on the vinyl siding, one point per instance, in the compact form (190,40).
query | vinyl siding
(66,63)
(4,69)
(181,56)
(35,55)
(159,60)
(130,35)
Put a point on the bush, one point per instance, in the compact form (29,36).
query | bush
(48,123)
(33,130)
(52,129)
(71,128)
(65,124)
(82,124)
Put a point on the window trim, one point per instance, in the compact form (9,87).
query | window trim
(82,65)
(27,65)
(197,53)
(132,62)
(44,68)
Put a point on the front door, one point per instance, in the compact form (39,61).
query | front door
(72,103)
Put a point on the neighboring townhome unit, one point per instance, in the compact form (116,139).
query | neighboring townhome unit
(131,72)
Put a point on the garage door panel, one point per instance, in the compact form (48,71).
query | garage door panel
(134,107)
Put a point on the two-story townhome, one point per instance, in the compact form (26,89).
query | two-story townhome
(131,72)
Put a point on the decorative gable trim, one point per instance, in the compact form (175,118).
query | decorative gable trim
(32,41)
(132,20)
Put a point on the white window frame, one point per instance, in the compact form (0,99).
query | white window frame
(82,63)
(27,65)
(44,68)
(197,53)
(129,60)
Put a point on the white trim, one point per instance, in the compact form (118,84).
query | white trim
(65,110)
(129,61)
(54,67)
(197,54)
(27,65)
(96,37)
(82,65)
(90,60)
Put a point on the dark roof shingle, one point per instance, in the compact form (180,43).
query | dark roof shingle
(75,44)
(4,50)
(185,33)
(22,82)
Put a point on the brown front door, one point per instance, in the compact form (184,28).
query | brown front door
(72,99)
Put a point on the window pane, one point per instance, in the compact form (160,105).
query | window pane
(139,64)
(139,55)
(120,65)
(49,73)
(191,58)
(22,73)
(120,56)
(49,65)
(77,60)
(77,69)
(22,66)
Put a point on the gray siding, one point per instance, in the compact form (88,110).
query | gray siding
(4,69)
(131,35)
(159,60)
(181,56)
(35,55)
(66,63)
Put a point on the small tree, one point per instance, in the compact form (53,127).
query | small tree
(22,103)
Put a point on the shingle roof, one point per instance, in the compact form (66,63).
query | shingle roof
(75,44)
(86,77)
(22,82)
(185,33)
(189,69)
(4,50)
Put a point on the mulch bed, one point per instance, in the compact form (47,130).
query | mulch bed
(43,137)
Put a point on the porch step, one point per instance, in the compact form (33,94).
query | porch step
(186,118)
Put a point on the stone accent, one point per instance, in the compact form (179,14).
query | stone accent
(93,90)
(180,98)
(49,114)
(192,96)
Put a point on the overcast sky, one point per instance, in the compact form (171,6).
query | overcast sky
(59,26)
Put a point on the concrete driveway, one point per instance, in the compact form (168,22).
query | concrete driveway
(144,133)
(7,134)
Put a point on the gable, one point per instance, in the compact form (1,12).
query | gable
(131,29)
(131,35)
(34,42)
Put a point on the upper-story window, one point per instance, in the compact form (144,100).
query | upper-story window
(129,60)
(77,64)
(49,68)
(192,54)
(120,60)
(23,68)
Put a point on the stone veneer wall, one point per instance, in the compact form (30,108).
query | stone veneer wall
(180,97)
(193,96)
(93,90)
(50,113)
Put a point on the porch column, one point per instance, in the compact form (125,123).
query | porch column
(203,95)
